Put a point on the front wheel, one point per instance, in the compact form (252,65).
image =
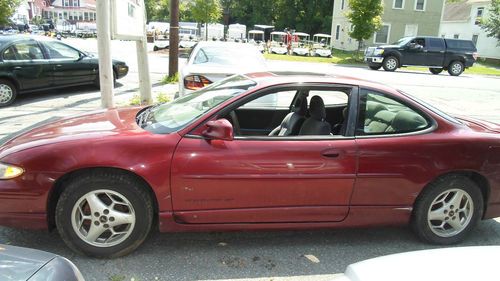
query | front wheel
(390,63)
(104,215)
(8,93)
(447,210)
(456,68)
(435,71)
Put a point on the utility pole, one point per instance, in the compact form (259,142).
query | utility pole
(173,60)
(104,51)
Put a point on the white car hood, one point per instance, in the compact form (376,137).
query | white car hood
(457,264)
(218,69)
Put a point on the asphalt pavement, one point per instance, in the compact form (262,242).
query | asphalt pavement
(305,255)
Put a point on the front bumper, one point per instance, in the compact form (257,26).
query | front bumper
(279,50)
(323,52)
(374,60)
(300,51)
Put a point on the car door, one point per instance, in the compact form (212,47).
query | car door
(255,179)
(69,65)
(435,51)
(395,153)
(25,62)
(414,52)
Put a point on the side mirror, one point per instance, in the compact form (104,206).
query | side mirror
(219,130)
(183,56)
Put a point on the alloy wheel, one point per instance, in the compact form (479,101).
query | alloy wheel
(103,218)
(450,213)
(6,93)
(456,68)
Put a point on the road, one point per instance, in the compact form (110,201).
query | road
(263,255)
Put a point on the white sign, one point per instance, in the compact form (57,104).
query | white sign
(127,20)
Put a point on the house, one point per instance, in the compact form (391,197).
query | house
(72,11)
(462,20)
(400,18)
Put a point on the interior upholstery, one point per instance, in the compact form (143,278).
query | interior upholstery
(380,120)
(316,124)
(292,123)
(340,128)
(372,108)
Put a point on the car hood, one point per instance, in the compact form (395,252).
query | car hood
(388,47)
(458,264)
(97,124)
(21,263)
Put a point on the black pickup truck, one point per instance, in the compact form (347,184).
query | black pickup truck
(453,55)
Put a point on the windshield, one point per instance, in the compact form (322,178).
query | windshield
(229,56)
(174,116)
(403,41)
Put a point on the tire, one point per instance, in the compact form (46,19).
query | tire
(155,48)
(439,195)
(131,202)
(390,63)
(374,67)
(435,71)
(456,68)
(8,92)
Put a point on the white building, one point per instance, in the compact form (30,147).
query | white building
(462,20)
(71,10)
(22,13)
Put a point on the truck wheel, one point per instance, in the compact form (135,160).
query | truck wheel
(390,63)
(374,67)
(435,71)
(456,68)
(155,48)
(447,210)
(8,93)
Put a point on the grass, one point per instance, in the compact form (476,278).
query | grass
(170,79)
(351,58)
(160,98)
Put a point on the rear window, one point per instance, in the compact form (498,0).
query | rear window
(460,44)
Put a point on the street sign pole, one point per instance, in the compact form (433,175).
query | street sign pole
(104,51)
(173,60)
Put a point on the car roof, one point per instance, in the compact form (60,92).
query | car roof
(290,77)
(17,37)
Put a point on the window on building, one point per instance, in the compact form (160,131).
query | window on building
(337,32)
(65,15)
(342,5)
(420,5)
(66,3)
(456,36)
(382,36)
(398,4)
(480,12)
(474,38)
(86,16)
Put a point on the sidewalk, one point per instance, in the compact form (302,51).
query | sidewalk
(30,109)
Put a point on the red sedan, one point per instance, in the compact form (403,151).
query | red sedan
(256,151)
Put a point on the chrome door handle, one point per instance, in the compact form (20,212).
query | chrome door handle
(17,68)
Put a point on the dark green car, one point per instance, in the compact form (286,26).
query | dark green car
(31,64)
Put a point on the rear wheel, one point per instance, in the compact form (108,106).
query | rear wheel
(435,71)
(456,68)
(8,92)
(390,63)
(447,210)
(104,215)
(374,67)
(155,48)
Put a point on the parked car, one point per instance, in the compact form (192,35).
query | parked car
(20,264)
(330,152)
(212,61)
(31,64)
(458,264)
(453,55)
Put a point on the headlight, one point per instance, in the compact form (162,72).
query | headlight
(8,172)
(378,52)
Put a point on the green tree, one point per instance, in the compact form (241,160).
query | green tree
(157,10)
(365,17)
(310,16)
(7,9)
(492,24)
(37,20)
(206,11)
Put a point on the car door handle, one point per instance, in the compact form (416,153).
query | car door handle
(331,153)
(58,65)
(17,68)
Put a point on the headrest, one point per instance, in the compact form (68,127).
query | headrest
(372,108)
(317,108)
(408,121)
(300,106)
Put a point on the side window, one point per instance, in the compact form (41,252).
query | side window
(277,100)
(382,115)
(60,51)
(23,51)
(330,98)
